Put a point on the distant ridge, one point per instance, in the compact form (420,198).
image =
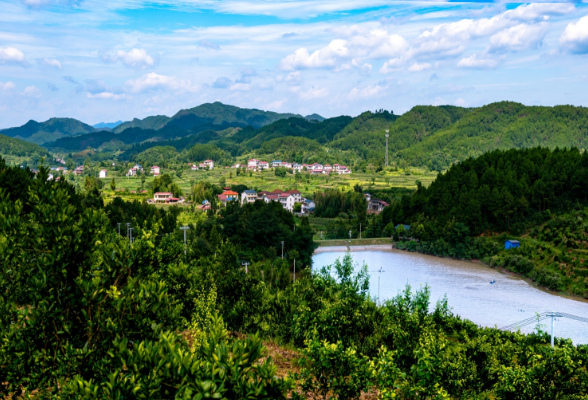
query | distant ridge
(314,117)
(215,113)
(109,125)
(48,131)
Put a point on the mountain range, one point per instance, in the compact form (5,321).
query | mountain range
(433,136)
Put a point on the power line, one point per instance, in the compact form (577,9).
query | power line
(541,317)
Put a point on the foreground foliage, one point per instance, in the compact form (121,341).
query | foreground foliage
(84,313)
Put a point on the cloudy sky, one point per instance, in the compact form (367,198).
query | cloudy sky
(98,60)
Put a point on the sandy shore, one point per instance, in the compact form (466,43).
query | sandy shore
(354,248)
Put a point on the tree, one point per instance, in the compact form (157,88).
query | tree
(223,181)
(113,185)
(357,188)
(280,172)
(297,207)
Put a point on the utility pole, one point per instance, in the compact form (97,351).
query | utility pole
(184,228)
(246,264)
(349,235)
(380,271)
(282,249)
(131,235)
(118,228)
(387,136)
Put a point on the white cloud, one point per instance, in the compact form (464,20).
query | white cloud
(11,55)
(450,39)
(364,68)
(222,83)
(353,44)
(314,93)
(241,87)
(367,92)
(50,62)
(575,37)
(136,58)
(326,57)
(207,44)
(7,86)
(32,91)
(392,65)
(278,104)
(418,67)
(293,78)
(460,102)
(477,63)
(153,81)
(519,37)
(107,96)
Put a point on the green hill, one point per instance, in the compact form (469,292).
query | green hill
(208,114)
(501,125)
(16,150)
(48,131)
(155,122)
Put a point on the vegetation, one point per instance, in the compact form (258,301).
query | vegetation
(15,149)
(86,313)
(48,131)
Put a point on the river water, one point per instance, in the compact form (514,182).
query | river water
(469,292)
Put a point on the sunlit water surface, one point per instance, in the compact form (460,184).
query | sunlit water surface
(468,289)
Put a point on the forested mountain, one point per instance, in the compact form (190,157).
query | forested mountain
(431,136)
(502,125)
(11,147)
(48,131)
(215,113)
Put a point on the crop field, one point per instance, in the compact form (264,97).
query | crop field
(267,180)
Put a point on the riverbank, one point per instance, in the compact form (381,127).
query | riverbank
(386,244)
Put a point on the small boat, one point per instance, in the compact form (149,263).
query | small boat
(493,281)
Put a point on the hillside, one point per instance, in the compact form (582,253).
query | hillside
(13,149)
(48,131)
(535,195)
(208,114)
(501,125)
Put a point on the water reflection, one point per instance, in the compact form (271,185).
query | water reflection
(468,289)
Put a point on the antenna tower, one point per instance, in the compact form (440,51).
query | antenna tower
(387,136)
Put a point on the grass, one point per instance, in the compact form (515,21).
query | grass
(267,180)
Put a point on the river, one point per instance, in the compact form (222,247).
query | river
(468,289)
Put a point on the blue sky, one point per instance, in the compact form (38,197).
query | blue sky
(122,59)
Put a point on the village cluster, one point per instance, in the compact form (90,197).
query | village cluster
(315,169)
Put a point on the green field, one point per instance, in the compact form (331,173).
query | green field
(267,180)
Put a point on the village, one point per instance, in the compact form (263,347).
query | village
(315,169)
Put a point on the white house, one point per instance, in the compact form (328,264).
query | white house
(132,172)
(276,163)
(162,196)
(263,165)
(248,196)
(103,173)
(343,170)
(287,200)
(194,167)
(297,167)
(253,163)
(155,170)
(209,164)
